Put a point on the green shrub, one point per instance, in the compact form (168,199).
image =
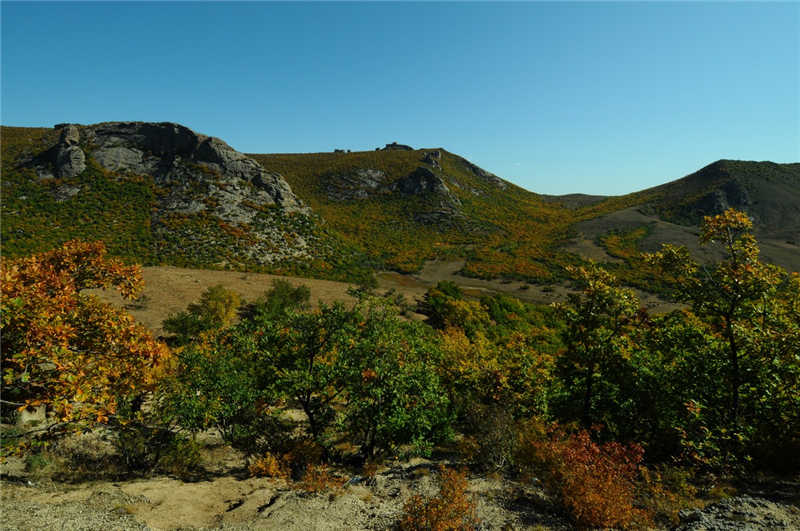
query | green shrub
(275,303)
(217,308)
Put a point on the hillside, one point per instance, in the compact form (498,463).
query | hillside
(500,230)
(158,193)
(161,194)
(408,206)
(768,192)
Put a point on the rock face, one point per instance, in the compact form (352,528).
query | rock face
(741,512)
(359,184)
(422,181)
(194,175)
(70,159)
(396,146)
(182,160)
(433,158)
(485,175)
(364,183)
(439,206)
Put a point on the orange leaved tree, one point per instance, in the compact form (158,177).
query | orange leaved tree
(62,347)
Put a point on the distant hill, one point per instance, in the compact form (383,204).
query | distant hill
(159,193)
(768,192)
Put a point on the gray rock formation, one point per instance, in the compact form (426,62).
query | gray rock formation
(397,147)
(741,512)
(70,159)
(186,162)
(420,182)
(433,158)
(196,176)
(358,184)
(364,183)
(489,177)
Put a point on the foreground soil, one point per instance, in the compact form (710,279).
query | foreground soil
(231,502)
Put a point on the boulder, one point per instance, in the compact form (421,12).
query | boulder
(421,181)
(397,147)
(70,135)
(70,161)
(433,158)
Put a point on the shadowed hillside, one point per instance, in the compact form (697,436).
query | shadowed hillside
(768,192)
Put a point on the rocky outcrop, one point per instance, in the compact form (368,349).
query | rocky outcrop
(730,195)
(433,158)
(363,183)
(438,205)
(194,175)
(184,161)
(489,177)
(741,512)
(422,181)
(396,147)
(358,184)
(70,159)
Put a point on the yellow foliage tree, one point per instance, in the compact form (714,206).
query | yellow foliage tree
(62,347)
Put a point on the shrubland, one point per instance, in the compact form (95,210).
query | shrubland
(618,414)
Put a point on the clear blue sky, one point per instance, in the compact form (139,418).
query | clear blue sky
(602,98)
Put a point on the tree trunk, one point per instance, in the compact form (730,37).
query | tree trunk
(587,398)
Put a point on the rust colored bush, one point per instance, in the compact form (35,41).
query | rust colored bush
(270,466)
(595,483)
(450,510)
(318,478)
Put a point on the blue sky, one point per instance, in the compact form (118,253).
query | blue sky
(602,98)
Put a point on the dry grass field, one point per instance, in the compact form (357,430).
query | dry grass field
(168,289)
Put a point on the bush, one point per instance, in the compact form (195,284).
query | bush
(317,478)
(393,395)
(219,384)
(595,483)
(141,447)
(451,509)
(276,302)
(217,308)
(492,437)
(181,457)
(269,466)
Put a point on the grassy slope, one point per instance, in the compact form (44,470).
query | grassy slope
(507,232)
(114,210)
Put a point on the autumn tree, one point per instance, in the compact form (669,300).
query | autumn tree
(750,307)
(62,347)
(731,294)
(596,338)
(216,309)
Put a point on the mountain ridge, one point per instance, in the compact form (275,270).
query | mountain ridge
(162,194)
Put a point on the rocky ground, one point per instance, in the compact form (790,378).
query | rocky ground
(741,512)
(259,503)
(229,502)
